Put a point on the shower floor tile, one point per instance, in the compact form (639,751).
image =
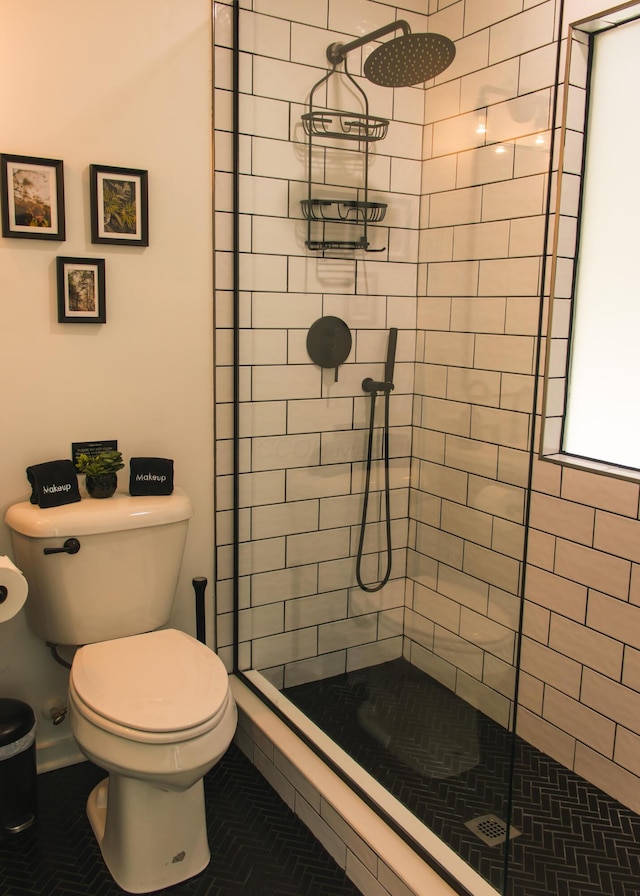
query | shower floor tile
(258,846)
(449,764)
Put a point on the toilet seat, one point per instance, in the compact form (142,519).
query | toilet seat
(159,687)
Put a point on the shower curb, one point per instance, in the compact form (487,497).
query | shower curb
(374,857)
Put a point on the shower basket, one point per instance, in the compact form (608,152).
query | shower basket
(323,213)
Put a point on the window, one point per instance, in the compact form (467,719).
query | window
(593,364)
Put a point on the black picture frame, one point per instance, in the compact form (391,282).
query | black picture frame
(81,290)
(32,197)
(119,205)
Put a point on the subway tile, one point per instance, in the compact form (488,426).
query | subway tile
(443,482)
(284,648)
(593,568)
(261,418)
(557,594)
(438,609)
(272,520)
(286,309)
(546,737)
(315,547)
(478,14)
(474,386)
(488,635)
(497,498)
(559,671)
(491,567)
(509,276)
(483,165)
(453,349)
(346,633)
(447,416)
(627,750)
(535,622)
(611,699)
(579,721)
(517,392)
(484,698)
(614,618)
(315,609)
(467,523)
(518,198)
(318,482)
(521,33)
(514,354)
(484,240)
(471,456)
(460,206)
(440,545)
(605,492)
(619,783)
(284,584)
(508,538)
(501,427)
(617,535)
(260,621)
(265,271)
(319,414)
(283,452)
(587,646)
(283,381)
(563,518)
(315,668)
(254,489)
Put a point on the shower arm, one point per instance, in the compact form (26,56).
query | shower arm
(337,53)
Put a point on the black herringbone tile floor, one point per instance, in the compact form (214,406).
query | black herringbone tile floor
(258,846)
(396,722)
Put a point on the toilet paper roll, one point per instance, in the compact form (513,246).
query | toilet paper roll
(13,589)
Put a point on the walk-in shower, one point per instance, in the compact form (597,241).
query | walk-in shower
(400,641)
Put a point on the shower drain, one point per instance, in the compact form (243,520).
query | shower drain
(491,829)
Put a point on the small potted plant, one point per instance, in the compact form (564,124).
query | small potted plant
(100,471)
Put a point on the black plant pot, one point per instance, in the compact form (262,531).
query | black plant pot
(102,486)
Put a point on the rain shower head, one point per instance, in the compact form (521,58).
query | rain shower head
(401,62)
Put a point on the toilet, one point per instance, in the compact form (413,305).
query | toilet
(150,705)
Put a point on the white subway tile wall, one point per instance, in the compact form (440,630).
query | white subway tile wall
(464,170)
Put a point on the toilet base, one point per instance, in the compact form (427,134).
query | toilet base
(150,838)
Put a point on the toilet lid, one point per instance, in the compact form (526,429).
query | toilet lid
(160,681)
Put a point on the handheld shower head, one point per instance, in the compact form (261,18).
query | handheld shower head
(405,60)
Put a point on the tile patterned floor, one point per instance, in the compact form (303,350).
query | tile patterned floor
(575,840)
(258,846)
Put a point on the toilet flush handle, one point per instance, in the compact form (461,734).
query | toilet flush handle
(71,546)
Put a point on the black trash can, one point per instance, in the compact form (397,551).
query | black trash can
(18,783)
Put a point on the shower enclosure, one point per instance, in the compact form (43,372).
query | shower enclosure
(374,520)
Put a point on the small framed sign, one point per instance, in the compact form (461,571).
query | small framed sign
(32,197)
(119,206)
(81,291)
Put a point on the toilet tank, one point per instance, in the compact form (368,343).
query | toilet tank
(120,582)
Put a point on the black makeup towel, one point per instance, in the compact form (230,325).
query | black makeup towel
(151,476)
(53,483)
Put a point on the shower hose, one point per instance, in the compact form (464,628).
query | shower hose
(373,388)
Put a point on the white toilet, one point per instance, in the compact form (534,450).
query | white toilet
(151,706)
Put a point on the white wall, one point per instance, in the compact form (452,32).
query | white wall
(124,84)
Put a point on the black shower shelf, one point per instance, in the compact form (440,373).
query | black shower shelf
(344,125)
(343,211)
(324,245)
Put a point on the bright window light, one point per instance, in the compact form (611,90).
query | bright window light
(602,420)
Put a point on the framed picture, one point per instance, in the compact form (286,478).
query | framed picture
(81,291)
(32,199)
(119,206)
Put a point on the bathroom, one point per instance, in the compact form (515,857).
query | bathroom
(151,108)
